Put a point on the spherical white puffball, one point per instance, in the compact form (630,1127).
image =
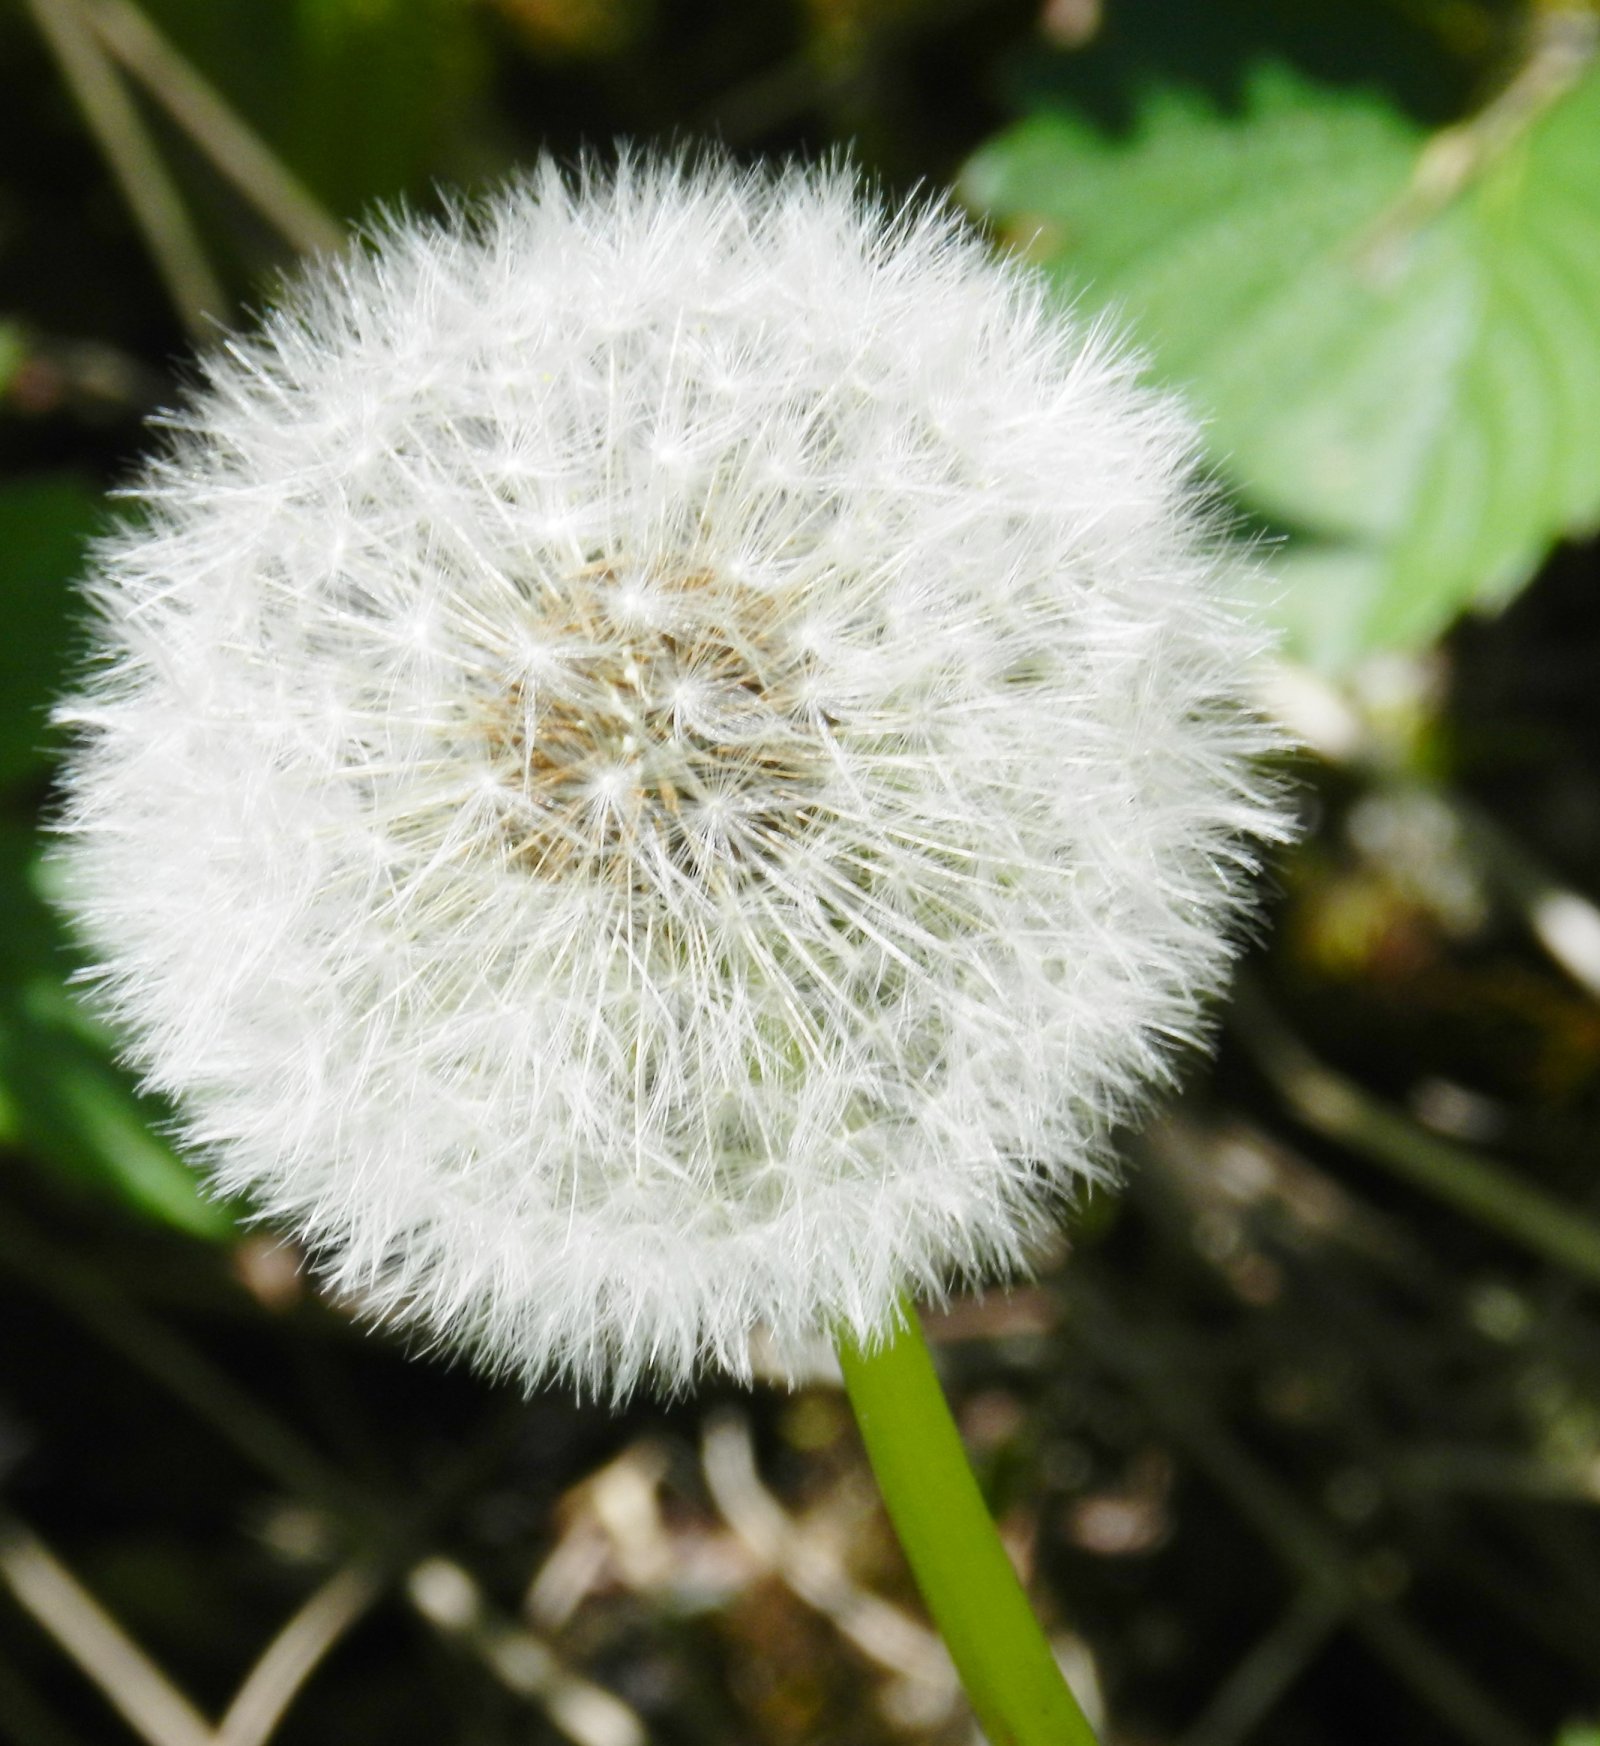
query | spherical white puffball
(666,756)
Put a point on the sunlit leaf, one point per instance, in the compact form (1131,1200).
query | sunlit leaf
(1405,371)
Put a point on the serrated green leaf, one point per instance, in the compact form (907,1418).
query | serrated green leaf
(62,1098)
(44,524)
(1414,384)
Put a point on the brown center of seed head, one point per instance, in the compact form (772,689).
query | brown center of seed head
(661,733)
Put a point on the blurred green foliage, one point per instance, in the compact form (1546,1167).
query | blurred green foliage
(45,522)
(61,1094)
(363,99)
(1394,337)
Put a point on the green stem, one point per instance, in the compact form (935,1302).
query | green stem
(1015,1687)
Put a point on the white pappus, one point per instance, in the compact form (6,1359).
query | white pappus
(666,754)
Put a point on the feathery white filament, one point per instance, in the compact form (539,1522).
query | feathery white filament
(667,756)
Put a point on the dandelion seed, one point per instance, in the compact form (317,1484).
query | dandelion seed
(666,757)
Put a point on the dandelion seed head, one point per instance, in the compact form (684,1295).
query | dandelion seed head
(667,755)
